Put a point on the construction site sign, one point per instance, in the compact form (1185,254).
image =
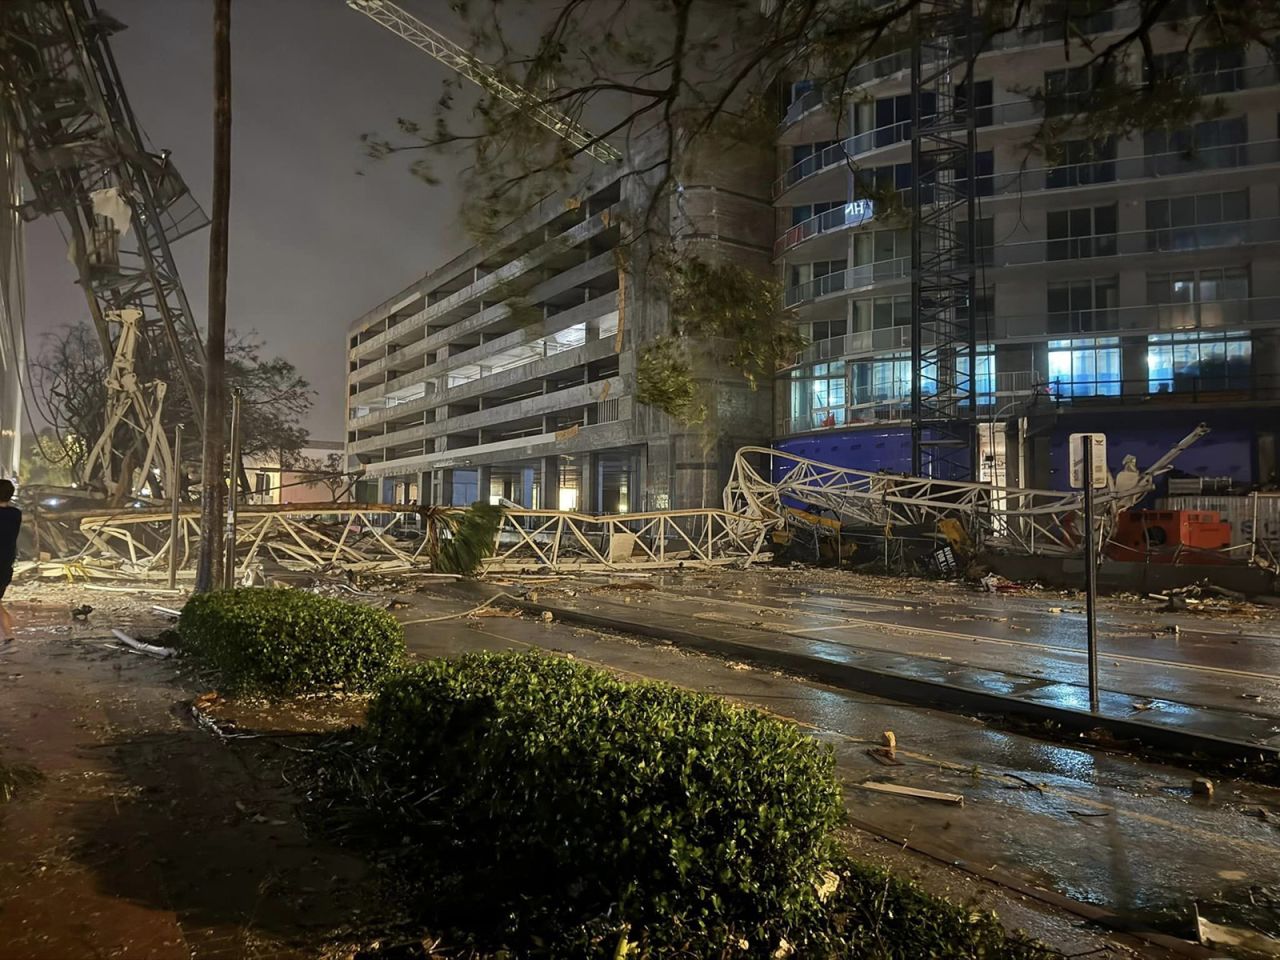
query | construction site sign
(1098,465)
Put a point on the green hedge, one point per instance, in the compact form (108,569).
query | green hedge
(875,915)
(284,642)
(575,806)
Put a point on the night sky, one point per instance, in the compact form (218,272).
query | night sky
(313,244)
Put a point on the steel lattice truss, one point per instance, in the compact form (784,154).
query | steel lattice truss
(943,243)
(387,538)
(765,482)
(120,204)
(462,61)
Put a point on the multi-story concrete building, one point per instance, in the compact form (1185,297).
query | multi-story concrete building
(509,372)
(1133,288)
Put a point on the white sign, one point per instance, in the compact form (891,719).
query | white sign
(858,211)
(1076,448)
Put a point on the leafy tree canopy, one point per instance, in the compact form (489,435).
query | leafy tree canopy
(68,380)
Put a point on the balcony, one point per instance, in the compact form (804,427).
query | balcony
(1146,318)
(1075,176)
(851,279)
(1235,387)
(1150,166)
(893,403)
(838,154)
(1120,16)
(843,217)
(1210,236)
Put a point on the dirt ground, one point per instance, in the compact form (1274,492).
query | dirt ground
(144,836)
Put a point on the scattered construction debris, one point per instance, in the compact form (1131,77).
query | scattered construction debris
(916,793)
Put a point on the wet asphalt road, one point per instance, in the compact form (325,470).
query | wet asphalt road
(1099,827)
(1231,664)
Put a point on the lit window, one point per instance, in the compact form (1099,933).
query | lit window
(1200,360)
(1086,367)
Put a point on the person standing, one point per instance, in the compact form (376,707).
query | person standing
(10,524)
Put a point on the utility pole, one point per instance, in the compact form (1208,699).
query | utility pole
(212,491)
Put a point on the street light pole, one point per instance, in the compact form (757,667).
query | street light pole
(175,481)
(1091,575)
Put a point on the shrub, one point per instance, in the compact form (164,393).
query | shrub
(874,915)
(284,642)
(570,801)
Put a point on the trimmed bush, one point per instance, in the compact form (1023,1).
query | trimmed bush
(285,642)
(874,915)
(576,807)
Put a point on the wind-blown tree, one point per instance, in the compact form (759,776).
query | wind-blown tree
(678,74)
(68,383)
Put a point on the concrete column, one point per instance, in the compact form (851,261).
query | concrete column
(1133,365)
(484,482)
(589,499)
(442,488)
(550,468)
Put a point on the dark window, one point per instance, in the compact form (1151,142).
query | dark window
(1204,220)
(985,164)
(985,237)
(826,329)
(1083,162)
(1071,90)
(981,101)
(1063,17)
(1083,306)
(892,118)
(1207,145)
(1080,233)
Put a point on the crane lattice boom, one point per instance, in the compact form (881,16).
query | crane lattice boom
(462,61)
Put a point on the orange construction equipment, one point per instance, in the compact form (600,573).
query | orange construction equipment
(1171,536)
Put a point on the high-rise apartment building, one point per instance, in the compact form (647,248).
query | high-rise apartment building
(1130,286)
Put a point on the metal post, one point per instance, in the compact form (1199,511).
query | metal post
(233,494)
(1091,574)
(175,483)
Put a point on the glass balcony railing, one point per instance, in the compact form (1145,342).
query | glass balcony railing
(1096,172)
(840,218)
(850,279)
(1145,318)
(1015,389)
(849,149)
(1101,246)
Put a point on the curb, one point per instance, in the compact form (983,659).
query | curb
(927,693)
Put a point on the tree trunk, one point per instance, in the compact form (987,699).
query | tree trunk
(212,488)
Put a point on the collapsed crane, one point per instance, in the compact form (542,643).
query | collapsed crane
(121,205)
(457,58)
(766,483)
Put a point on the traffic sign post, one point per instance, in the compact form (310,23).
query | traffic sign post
(1088,453)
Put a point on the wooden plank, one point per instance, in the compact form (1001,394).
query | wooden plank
(899,790)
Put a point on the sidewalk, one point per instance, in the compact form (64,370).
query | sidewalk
(847,650)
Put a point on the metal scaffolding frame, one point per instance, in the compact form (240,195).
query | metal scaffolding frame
(120,204)
(943,279)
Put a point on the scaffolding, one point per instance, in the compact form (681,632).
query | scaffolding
(120,205)
(943,243)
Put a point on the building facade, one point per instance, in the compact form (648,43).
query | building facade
(1132,286)
(509,373)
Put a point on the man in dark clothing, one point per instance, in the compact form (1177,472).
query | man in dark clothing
(10,524)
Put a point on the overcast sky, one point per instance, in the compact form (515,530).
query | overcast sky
(313,244)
